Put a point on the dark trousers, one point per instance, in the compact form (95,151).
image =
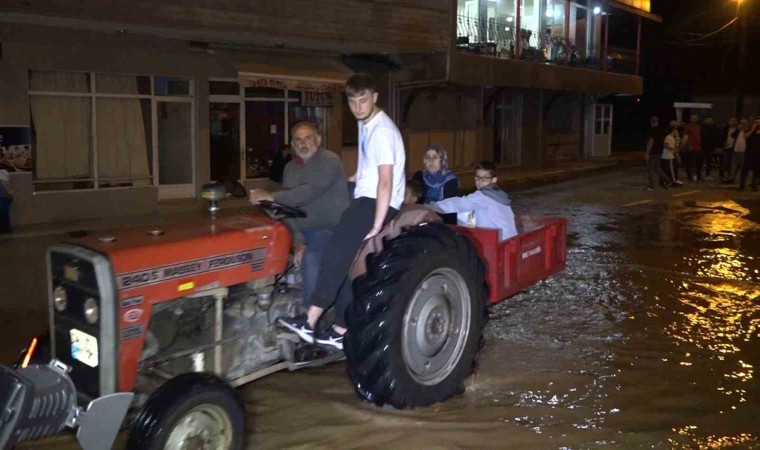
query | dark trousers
(316,242)
(706,161)
(752,162)
(670,169)
(346,240)
(725,165)
(654,170)
(5,214)
(689,162)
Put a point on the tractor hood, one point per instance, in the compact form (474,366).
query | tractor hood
(194,254)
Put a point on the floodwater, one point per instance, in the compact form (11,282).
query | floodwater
(649,339)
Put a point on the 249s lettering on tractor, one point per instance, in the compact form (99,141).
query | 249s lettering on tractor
(151,330)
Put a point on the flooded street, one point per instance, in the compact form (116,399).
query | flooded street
(649,339)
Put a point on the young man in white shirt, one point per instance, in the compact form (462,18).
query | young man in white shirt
(378,195)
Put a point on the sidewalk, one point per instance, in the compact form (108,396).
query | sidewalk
(510,179)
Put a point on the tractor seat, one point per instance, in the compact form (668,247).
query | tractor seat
(408,216)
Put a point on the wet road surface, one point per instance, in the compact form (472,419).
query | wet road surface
(649,339)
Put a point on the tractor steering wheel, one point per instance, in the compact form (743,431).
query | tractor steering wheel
(279,211)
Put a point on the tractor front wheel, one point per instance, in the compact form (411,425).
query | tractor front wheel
(190,411)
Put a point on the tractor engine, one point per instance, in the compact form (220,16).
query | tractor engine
(182,332)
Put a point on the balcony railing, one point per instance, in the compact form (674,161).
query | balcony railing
(497,38)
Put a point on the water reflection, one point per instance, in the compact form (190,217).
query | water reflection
(715,312)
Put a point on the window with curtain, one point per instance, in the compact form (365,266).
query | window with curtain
(61,120)
(93,131)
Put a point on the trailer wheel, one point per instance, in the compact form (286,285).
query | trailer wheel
(417,321)
(194,410)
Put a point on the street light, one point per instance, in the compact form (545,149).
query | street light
(597,10)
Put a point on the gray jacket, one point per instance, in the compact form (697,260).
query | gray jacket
(319,187)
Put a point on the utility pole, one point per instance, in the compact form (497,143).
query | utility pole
(743,12)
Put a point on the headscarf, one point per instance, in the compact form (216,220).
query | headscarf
(435,181)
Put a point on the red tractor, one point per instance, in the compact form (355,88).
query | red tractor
(161,324)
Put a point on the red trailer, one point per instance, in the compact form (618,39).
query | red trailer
(538,252)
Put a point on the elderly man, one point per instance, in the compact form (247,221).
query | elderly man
(314,181)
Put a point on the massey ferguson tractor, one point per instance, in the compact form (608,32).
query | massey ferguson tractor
(151,329)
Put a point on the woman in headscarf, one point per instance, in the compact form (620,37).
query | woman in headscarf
(439,182)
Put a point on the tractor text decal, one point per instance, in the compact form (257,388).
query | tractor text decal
(159,274)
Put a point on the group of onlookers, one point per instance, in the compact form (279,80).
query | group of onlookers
(696,147)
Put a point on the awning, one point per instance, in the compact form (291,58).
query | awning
(293,71)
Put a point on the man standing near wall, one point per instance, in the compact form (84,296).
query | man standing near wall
(728,137)
(693,149)
(655,146)
(752,161)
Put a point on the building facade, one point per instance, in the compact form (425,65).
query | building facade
(114,110)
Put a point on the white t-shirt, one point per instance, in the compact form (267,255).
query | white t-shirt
(741,143)
(380,143)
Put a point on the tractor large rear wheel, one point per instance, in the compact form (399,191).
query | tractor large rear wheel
(417,321)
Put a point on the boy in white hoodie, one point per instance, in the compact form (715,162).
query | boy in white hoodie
(488,207)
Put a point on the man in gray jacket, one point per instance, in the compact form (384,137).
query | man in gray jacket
(315,182)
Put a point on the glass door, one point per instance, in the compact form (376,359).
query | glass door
(175,142)
(224,133)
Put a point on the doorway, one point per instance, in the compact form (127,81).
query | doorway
(225,141)
(506,136)
(175,141)
(602,141)
(265,135)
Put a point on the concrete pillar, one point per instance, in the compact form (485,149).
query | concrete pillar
(203,135)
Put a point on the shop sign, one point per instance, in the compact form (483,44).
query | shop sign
(249,80)
(316,98)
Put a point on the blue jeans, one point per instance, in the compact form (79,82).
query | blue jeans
(5,214)
(316,242)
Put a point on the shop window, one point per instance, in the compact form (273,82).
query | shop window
(72,82)
(122,84)
(61,133)
(350,129)
(93,131)
(173,87)
(264,92)
(124,141)
(223,88)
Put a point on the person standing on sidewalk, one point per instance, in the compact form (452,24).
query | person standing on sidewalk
(655,147)
(752,160)
(378,195)
(740,147)
(692,148)
(669,154)
(729,135)
(709,144)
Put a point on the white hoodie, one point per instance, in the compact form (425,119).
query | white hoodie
(482,211)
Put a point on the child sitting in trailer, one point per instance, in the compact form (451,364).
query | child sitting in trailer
(488,207)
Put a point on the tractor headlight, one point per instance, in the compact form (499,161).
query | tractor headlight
(60,299)
(91,311)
